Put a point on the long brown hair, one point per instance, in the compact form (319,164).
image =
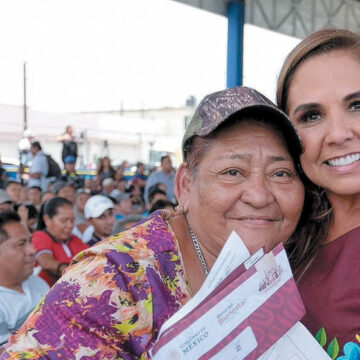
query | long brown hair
(313,232)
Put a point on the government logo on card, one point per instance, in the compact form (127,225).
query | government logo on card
(269,271)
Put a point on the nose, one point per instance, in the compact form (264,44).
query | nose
(339,130)
(110,220)
(257,193)
(31,251)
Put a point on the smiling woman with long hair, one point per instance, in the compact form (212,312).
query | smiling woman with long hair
(319,88)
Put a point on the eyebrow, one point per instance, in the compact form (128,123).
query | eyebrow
(352,96)
(305,107)
(310,106)
(247,157)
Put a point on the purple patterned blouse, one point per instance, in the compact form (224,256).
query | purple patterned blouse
(111,303)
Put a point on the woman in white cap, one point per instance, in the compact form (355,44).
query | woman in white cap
(240,173)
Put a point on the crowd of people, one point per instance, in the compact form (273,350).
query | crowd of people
(285,173)
(59,216)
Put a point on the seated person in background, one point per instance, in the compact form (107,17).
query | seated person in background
(20,291)
(29,215)
(126,223)
(137,199)
(121,184)
(13,188)
(124,206)
(162,204)
(156,195)
(166,176)
(24,194)
(55,244)
(81,197)
(99,211)
(140,176)
(71,175)
(108,186)
(65,190)
(6,203)
(34,196)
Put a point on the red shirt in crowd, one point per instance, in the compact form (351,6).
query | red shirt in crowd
(61,251)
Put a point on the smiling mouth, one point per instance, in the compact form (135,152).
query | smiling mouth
(343,161)
(257,220)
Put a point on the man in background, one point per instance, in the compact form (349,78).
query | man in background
(165,176)
(39,168)
(13,188)
(71,176)
(68,140)
(99,210)
(34,196)
(20,291)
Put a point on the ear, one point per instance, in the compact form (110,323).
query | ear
(47,220)
(182,186)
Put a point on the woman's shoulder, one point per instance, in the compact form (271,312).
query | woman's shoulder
(152,235)
(41,235)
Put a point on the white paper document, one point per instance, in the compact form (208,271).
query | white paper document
(296,344)
(234,315)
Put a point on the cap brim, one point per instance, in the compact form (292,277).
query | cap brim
(272,115)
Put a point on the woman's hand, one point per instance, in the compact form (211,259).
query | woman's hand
(52,266)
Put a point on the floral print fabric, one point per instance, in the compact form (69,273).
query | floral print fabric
(111,303)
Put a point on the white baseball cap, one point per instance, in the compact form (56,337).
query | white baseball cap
(96,206)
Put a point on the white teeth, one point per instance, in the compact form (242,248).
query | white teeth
(346,160)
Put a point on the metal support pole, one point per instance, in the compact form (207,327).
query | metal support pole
(236,20)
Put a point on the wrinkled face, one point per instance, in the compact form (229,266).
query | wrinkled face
(34,196)
(247,182)
(60,225)
(81,200)
(324,105)
(103,225)
(17,254)
(14,190)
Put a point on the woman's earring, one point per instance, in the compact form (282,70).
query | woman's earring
(182,212)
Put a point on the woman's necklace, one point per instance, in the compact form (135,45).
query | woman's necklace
(198,251)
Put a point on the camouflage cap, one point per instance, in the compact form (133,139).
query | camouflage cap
(216,108)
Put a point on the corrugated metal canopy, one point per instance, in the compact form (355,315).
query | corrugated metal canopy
(292,17)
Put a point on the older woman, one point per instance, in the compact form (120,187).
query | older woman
(319,87)
(240,173)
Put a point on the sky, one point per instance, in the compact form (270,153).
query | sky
(94,55)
